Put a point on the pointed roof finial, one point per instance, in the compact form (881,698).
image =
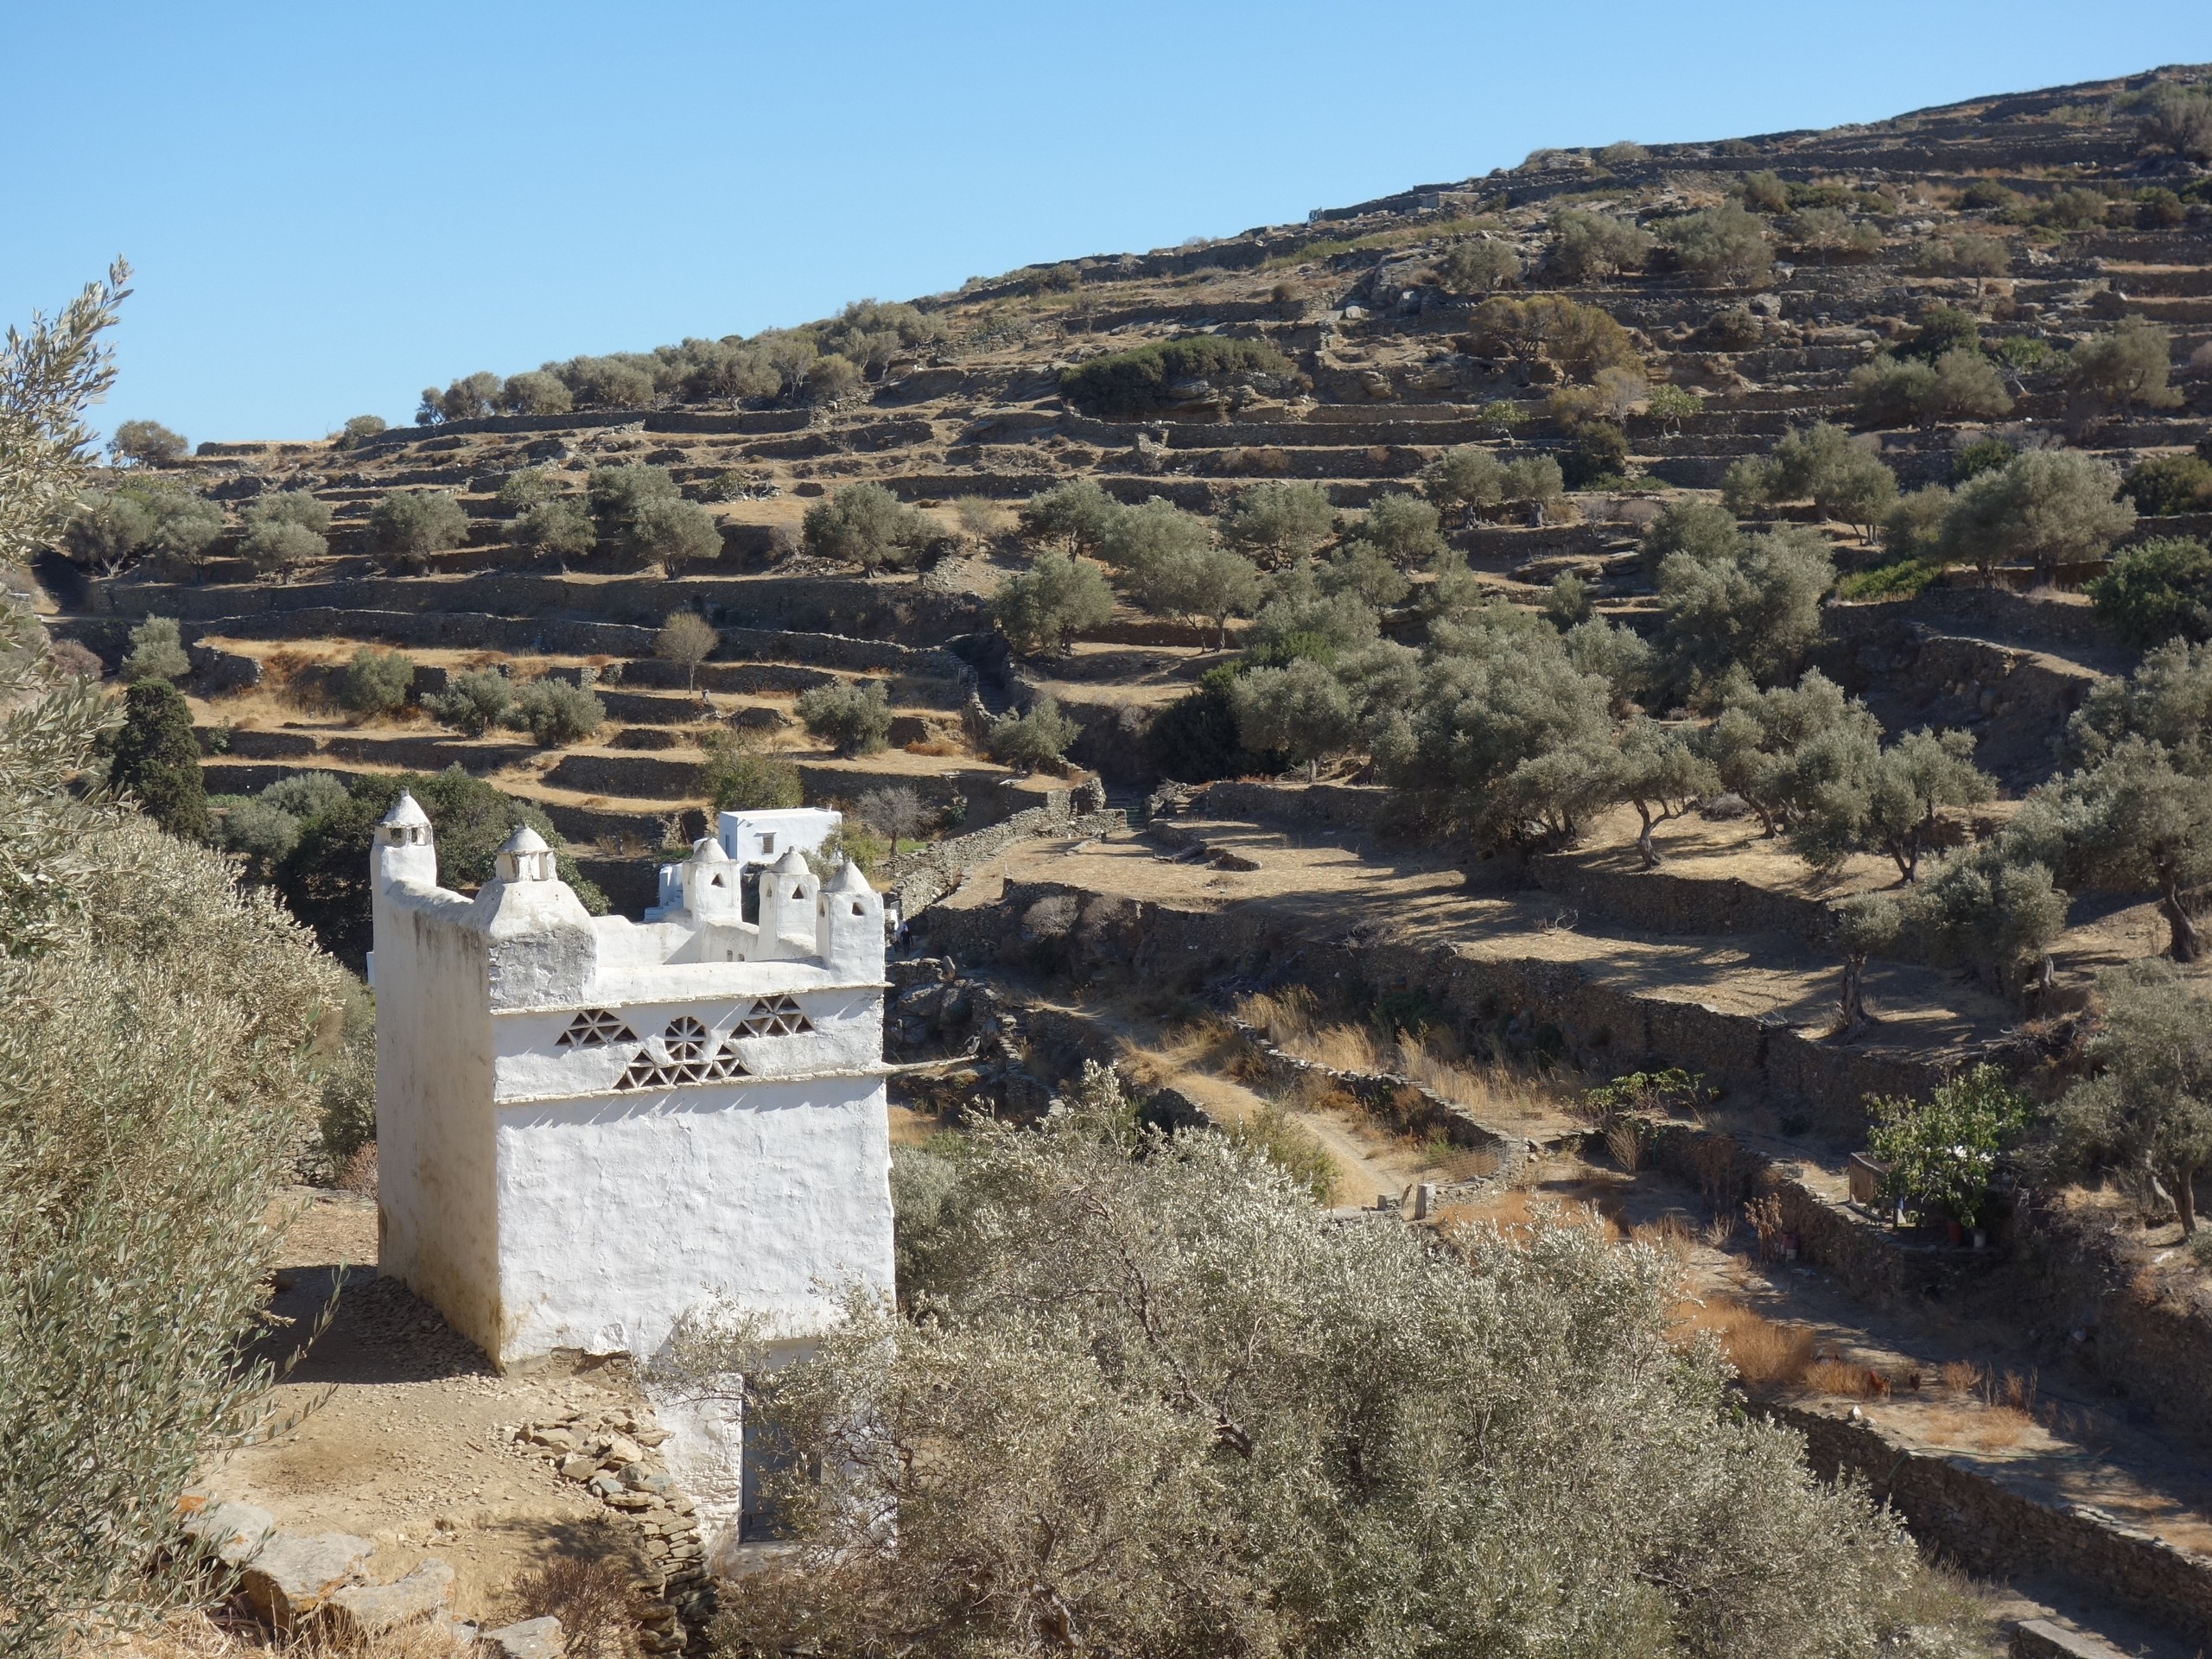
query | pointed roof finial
(849,879)
(406,813)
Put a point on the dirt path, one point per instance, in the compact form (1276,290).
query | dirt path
(405,1436)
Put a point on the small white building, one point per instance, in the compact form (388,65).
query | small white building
(754,838)
(588,1127)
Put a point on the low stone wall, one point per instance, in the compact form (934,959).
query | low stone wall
(1655,902)
(1971,1513)
(924,877)
(1609,1028)
(1333,806)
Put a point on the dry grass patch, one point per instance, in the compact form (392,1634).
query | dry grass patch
(1765,1353)
(195,1635)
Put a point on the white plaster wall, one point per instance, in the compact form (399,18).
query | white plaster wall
(619,1214)
(435,1066)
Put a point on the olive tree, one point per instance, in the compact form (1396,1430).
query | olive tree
(1860,926)
(1892,802)
(156,652)
(1479,264)
(559,527)
(472,703)
(1213,583)
(2148,1109)
(2125,366)
(1757,610)
(407,526)
(2142,824)
(1133,1397)
(1077,514)
(864,524)
(377,681)
(1994,911)
(1592,247)
(852,717)
(1726,242)
(1278,521)
(108,533)
(285,529)
(1660,773)
(1468,479)
(1036,737)
(2047,506)
(1300,711)
(558,711)
(1037,608)
(1778,748)
(147,443)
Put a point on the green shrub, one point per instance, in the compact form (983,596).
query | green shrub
(2170,484)
(2047,506)
(1280,520)
(1132,382)
(1943,1153)
(2157,590)
(155,760)
(147,443)
(1763,192)
(1987,195)
(558,712)
(284,531)
(473,702)
(735,778)
(866,524)
(1942,328)
(1197,738)
(1567,601)
(377,681)
(526,487)
(852,717)
(1479,264)
(831,379)
(1598,451)
(2125,366)
(156,652)
(2179,119)
(1963,254)
(407,526)
(1982,456)
(2073,209)
(1038,737)
(2157,207)
(1901,579)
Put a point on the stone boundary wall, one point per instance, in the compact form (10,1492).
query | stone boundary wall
(745,422)
(1655,902)
(1400,1101)
(827,605)
(926,877)
(1971,1513)
(1609,1027)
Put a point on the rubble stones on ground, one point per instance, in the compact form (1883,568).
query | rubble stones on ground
(292,1574)
(533,1638)
(356,1612)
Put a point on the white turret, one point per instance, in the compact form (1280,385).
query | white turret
(524,856)
(404,854)
(711,889)
(788,890)
(848,925)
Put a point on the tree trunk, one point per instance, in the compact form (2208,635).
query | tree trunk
(1643,847)
(2182,945)
(1853,1001)
(2184,1194)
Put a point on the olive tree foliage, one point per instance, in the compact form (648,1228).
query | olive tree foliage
(1592,247)
(284,529)
(1136,1398)
(557,712)
(1961,384)
(2179,119)
(1301,711)
(471,702)
(2044,507)
(1077,515)
(2138,820)
(1994,910)
(1860,926)
(641,513)
(852,717)
(1479,264)
(147,443)
(407,526)
(2157,590)
(157,1055)
(1277,521)
(2147,1111)
(1890,800)
(1726,242)
(1823,464)
(2125,366)
(1778,748)
(113,530)
(1037,608)
(2166,701)
(1036,737)
(1755,611)
(156,652)
(866,524)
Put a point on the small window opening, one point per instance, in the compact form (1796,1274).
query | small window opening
(768,843)
(857,910)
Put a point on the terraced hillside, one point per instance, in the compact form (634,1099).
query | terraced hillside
(1567,362)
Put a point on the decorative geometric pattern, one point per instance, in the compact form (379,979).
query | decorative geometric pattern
(594,1028)
(773,1016)
(689,1055)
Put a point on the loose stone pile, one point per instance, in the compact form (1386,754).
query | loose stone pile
(610,1455)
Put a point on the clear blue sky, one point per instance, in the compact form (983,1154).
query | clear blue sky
(329,206)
